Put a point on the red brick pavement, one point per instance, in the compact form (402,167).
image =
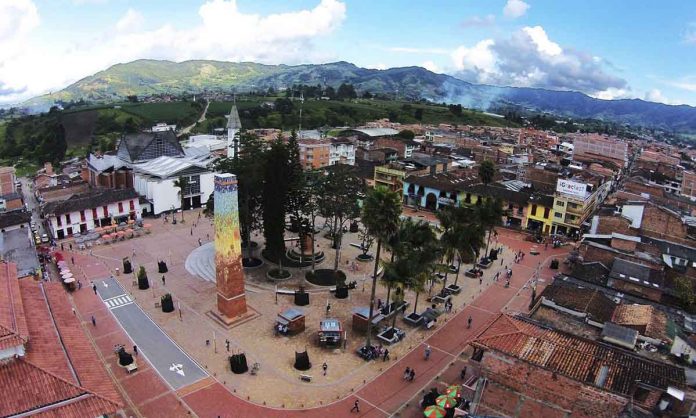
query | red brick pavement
(381,397)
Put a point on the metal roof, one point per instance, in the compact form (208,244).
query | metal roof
(373,132)
(164,167)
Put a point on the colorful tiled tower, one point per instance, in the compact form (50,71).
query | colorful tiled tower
(229,274)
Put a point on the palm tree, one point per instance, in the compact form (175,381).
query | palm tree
(448,239)
(471,235)
(182,185)
(489,215)
(421,249)
(380,216)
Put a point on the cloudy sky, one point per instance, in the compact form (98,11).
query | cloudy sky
(605,48)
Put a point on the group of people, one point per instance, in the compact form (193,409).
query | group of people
(409,374)
(376,352)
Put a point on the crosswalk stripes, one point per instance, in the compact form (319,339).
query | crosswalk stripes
(118,301)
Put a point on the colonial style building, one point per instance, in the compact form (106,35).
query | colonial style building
(91,210)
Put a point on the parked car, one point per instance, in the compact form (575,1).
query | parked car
(44,238)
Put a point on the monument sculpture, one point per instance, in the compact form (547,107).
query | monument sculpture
(229,273)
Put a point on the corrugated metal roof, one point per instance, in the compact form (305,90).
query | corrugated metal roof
(164,167)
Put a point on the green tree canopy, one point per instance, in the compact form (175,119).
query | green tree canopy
(486,171)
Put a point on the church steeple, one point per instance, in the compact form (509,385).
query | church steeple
(234,125)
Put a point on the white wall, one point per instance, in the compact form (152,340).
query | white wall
(635,213)
(207,186)
(164,195)
(12,352)
(76,220)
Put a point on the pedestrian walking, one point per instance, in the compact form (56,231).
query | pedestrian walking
(207,236)
(427,352)
(328,308)
(94,288)
(133,252)
(324,367)
(407,373)
(468,322)
(74,312)
(94,321)
(70,247)
(385,357)
(164,281)
(480,280)
(462,375)
(79,285)
(501,261)
(72,260)
(412,375)
(207,342)
(90,252)
(356,406)
(61,247)
(200,242)
(227,345)
(135,350)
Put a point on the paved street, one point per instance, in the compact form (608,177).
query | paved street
(177,368)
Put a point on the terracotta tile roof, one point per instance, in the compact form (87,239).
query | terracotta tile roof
(590,301)
(61,374)
(27,387)
(13,325)
(580,359)
(651,321)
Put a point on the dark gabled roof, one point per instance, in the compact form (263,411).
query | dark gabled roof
(588,362)
(590,301)
(427,160)
(93,199)
(11,196)
(498,192)
(636,273)
(593,272)
(441,181)
(133,147)
(672,248)
(16,217)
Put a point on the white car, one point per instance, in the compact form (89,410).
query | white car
(44,238)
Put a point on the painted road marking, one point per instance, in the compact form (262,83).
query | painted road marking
(118,301)
(178,368)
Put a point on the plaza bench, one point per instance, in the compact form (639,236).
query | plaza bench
(131,367)
(305,378)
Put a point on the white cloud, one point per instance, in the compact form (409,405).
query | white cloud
(613,93)
(655,95)
(479,21)
(130,21)
(224,33)
(17,18)
(543,43)
(685,83)
(515,8)
(431,66)
(529,58)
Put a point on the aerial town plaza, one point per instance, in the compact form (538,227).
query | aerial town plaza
(239,209)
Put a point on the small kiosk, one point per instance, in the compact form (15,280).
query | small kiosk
(360,318)
(331,332)
(290,322)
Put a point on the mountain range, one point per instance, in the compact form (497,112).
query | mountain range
(147,77)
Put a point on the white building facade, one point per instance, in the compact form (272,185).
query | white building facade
(85,213)
(341,152)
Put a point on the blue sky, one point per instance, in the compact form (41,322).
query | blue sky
(608,49)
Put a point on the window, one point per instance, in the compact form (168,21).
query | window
(132,205)
(120,207)
(560,203)
(58,221)
(94,214)
(547,211)
(82,216)
(106,211)
(558,214)
(67,219)
(534,209)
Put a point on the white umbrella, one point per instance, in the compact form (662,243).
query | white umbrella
(66,274)
(69,280)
